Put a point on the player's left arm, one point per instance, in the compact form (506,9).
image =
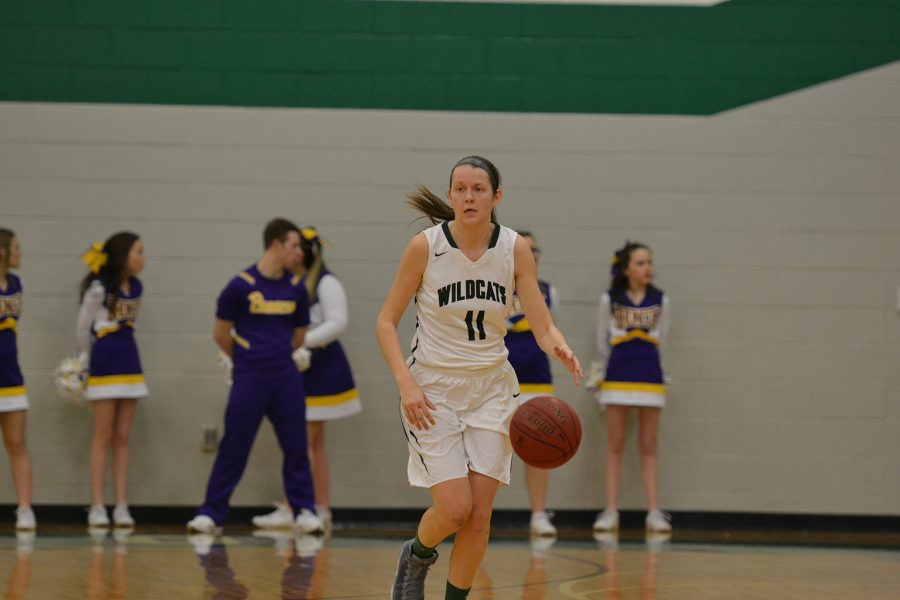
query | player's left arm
(549,338)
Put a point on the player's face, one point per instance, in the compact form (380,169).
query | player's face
(471,196)
(640,267)
(290,252)
(136,258)
(15,254)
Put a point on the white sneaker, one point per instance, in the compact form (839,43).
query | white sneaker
(280,518)
(324,515)
(25,520)
(308,522)
(658,520)
(608,520)
(541,525)
(97,516)
(203,524)
(121,516)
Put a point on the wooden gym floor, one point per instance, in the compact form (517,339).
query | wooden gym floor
(64,563)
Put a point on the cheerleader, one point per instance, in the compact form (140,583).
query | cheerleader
(110,299)
(330,391)
(532,368)
(13,400)
(632,324)
(261,320)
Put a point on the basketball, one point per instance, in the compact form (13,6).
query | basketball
(545,432)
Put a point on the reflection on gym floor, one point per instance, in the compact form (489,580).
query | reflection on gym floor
(103,564)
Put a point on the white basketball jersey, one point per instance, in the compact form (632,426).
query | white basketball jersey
(461,306)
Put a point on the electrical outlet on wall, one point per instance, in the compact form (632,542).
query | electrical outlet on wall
(209,439)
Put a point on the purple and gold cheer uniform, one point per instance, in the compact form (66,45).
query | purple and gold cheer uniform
(12,384)
(531,364)
(633,338)
(330,390)
(115,367)
(265,312)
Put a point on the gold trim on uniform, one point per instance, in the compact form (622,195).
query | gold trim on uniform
(536,388)
(521,326)
(115,380)
(9,323)
(108,330)
(247,277)
(635,334)
(240,341)
(333,399)
(624,386)
(12,391)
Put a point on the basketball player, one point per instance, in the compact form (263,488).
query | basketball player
(632,324)
(13,399)
(261,318)
(457,390)
(330,391)
(110,300)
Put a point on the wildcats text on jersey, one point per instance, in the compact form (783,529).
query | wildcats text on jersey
(471,288)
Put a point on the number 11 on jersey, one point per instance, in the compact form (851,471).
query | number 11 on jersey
(479,322)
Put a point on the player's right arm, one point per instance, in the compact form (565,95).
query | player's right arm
(416,408)
(222,335)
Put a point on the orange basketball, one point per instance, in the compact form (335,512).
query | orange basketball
(545,432)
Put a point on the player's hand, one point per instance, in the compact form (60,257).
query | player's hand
(596,374)
(416,407)
(302,358)
(565,355)
(227,366)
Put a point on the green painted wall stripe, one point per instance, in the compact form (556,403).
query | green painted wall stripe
(436,55)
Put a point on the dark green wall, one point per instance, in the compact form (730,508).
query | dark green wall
(436,55)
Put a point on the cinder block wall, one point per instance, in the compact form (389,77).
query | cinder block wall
(775,227)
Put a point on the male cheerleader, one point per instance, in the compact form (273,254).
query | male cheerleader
(261,318)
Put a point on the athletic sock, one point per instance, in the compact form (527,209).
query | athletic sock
(421,550)
(454,593)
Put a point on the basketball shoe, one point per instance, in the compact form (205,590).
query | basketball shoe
(308,522)
(280,518)
(658,520)
(97,516)
(541,525)
(409,584)
(203,524)
(122,517)
(608,520)
(25,519)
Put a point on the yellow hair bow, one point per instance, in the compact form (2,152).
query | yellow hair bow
(95,257)
(310,233)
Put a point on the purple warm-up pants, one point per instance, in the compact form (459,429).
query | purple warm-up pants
(282,399)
